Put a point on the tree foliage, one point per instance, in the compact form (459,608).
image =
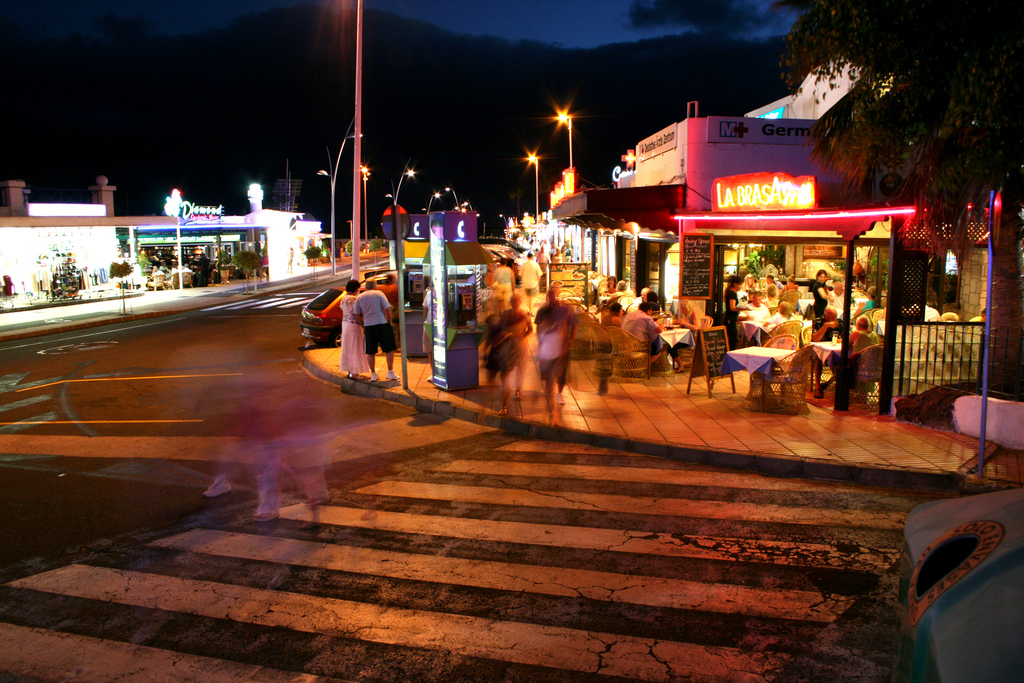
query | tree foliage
(939,97)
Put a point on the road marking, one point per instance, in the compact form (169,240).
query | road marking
(675,507)
(12,427)
(81,346)
(845,555)
(216,308)
(126,379)
(24,403)
(51,655)
(95,422)
(523,643)
(282,303)
(595,585)
(644,475)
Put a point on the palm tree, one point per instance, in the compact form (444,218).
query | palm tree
(516,194)
(936,101)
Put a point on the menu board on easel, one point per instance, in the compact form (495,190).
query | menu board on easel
(712,345)
(572,277)
(695,266)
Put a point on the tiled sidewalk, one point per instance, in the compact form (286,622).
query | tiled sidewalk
(855,445)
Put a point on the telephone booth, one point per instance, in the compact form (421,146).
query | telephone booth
(416,246)
(457,267)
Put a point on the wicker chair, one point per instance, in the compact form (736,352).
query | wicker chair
(791,297)
(790,327)
(867,375)
(785,390)
(157,281)
(783,341)
(706,322)
(874,315)
(805,335)
(662,365)
(631,357)
(584,345)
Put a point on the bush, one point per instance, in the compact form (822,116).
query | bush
(123,268)
(376,244)
(222,260)
(144,263)
(348,247)
(313,253)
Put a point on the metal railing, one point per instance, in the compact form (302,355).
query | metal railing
(48,195)
(949,355)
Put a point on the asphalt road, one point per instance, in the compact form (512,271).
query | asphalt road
(447,552)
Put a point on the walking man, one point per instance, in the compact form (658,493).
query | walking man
(530,273)
(373,311)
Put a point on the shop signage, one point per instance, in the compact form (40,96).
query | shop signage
(664,140)
(759,131)
(824,252)
(187,211)
(439,283)
(763,192)
(564,189)
(419,231)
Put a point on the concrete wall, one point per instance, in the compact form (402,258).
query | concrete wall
(973,275)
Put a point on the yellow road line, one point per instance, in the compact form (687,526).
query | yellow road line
(95,422)
(124,379)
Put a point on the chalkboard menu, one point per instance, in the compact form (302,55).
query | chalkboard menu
(823,252)
(695,266)
(712,345)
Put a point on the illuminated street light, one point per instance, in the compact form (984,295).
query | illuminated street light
(333,175)
(366,230)
(436,195)
(563,117)
(533,159)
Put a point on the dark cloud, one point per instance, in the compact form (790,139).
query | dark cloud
(729,17)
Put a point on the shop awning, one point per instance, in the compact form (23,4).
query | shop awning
(463,254)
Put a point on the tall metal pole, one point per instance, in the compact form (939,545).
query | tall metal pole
(357,161)
(536,188)
(988,340)
(570,143)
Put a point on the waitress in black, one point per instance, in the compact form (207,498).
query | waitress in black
(732,308)
(820,293)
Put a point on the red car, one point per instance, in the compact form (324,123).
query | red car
(320,320)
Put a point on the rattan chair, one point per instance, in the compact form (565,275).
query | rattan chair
(785,390)
(157,281)
(662,365)
(631,357)
(790,327)
(867,375)
(874,315)
(792,297)
(806,333)
(585,343)
(783,341)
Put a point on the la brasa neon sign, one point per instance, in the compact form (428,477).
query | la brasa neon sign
(764,192)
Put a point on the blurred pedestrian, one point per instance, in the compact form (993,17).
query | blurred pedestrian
(504,281)
(556,328)
(530,274)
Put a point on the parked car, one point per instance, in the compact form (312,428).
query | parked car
(499,251)
(320,320)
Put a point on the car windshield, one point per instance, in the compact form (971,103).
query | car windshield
(324,300)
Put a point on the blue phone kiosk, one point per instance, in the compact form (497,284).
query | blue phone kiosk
(457,267)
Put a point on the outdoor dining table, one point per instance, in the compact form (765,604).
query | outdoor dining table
(750,328)
(677,335)
(825,353)
(753,359)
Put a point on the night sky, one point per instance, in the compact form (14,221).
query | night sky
(213,95)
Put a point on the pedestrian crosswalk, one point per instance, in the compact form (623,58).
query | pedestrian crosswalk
(294,300)
(527,563)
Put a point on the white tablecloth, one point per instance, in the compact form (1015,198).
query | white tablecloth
(752,359)
(678,335)
(880,327)
(827,352)
(750,329)
(804,305)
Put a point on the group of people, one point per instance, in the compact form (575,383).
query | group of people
(506,347)
(366,328)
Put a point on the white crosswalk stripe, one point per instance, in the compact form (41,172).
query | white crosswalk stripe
(461,560)
(273,302)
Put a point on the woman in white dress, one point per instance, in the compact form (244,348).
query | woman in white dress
(353,345)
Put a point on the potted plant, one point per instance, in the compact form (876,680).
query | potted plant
(223,261)
(348,248)
(312,255)
(248,261)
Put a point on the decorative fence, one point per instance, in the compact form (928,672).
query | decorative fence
(949,355)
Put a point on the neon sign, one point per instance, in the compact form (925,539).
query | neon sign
(565,188)
(763,192)
(187,211)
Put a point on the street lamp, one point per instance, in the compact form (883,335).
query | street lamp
(333,175)
(448,189)
(563,117)
(357,121)
(536,181)
(366,230)
(437,195)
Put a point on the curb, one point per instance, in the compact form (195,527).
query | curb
(117,318)
(772,465)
